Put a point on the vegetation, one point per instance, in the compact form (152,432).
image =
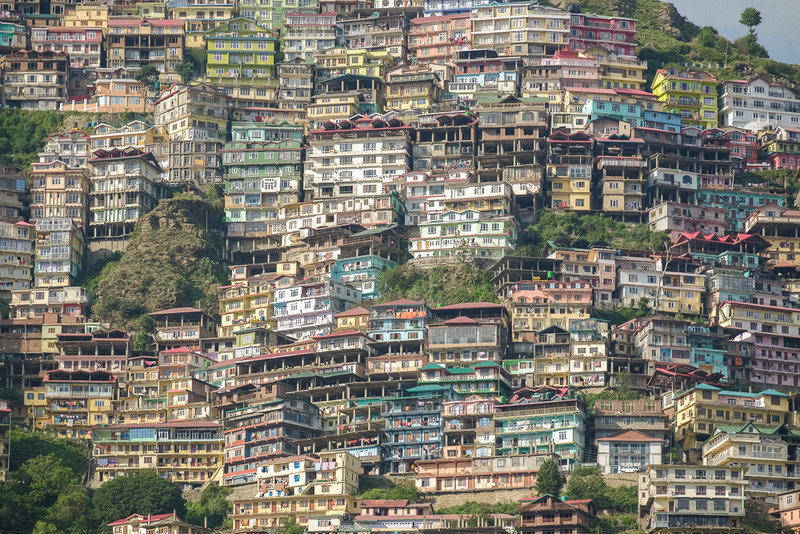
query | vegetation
(401,490)
(623,315)
(624,392)
(172,260)
(189,69)
(291,526)
(148,75)
(549,479)
(571,226)
(22,134)
(213,507)
(666,38)
(588,483)
(480,508)
(783,181)
(440,286)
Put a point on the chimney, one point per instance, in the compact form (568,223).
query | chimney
(148,518)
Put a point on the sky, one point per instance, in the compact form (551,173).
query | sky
(778,31)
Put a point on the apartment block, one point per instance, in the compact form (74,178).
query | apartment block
(78,401)
(133,43)
(34,79)
(616,34)
(435,39)
(522,29)
(200,17)
(188,453)
(12,192)
(59,253)
(757,103)
(692,95)
(305,34)
(84,45)
(60,191)
(306,309)
(16,256)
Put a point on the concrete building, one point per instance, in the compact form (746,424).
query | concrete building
(133,43)
(756,104)
(628,450)
(34,80)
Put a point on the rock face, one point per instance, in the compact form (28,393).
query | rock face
(172,260)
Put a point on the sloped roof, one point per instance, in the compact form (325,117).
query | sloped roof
(629,436)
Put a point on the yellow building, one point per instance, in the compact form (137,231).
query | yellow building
(246,303)
(189,453)
(200,17)
(569,171)
(698,411)
(338,60)
(35,403)
(353,319)
(692,95)
(78,401)
(410,88)
(89,15)
(317,490)
(781,227)
(333,107)
(760,451)
(617,72)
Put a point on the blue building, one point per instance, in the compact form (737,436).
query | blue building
(365,254)
(739,203)
(661,120)
(414,426)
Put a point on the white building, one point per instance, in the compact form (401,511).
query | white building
(466,232)
(306,309)
(757,104)
(628,451)
(520,28)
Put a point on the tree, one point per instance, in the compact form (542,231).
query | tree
(401,491)
(188,69)
(45,478)
(142,492)
(148,75)
(707,37)
(212,506)
(586,483)
(549,479)
(751,17)
(291,526)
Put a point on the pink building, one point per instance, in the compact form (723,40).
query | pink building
(615,34)
(435,39)
(82,44)
(479,474)
(576,71)
(676,218)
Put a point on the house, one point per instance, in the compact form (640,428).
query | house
(182,327)
(757,103)
(34,79)
(777,226)
(694,497)
(435,38)
(77,401)
(644,416)
(481,473)
(188,453)
(541,515)
(692,95)
(155,524)
(615,34)
(569,171)
(628,450)
(200,16)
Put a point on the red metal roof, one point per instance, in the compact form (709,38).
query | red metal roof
(471,306)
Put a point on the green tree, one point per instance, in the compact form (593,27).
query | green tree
(586,483)
(398,492)
(549,479)
(45,478)
(188,69)
(707,37)
(148,75)
(43,527)
(291,526)
(212,506)
(142,492)
(751,17)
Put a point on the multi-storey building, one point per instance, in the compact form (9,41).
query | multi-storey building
(414,426)
(781,148)
(778,226)
(13,36)
(412,88)
(765,456)
(12,192)
(59,257)
(445,143)
(692,95)
(484,71)
(787,510)
(435,39)
(88,15)
(306,309)
(64,303)
(620,172)
(538,305)
(240,59)
(200,17)
(356,157)
(698,411)
(338,60)
(385,31)
(542,420)
(84,45)
(364,255)
(485,378)
(468,232)
(114,91)
(698,498)
(77,401)
(257,433)
(522,29)
(155,523)
(16,256)
(569,170)
(628,450)
(273,13)
(183,328)
(296,81)
(133,43)
(676,218)
(642,415)
(455,474)
(60,191)
(304,34)
(125,185)
(188,453)
(543,514)
(319,490)
(34,80)
(615,34)
(195,118)
(757,103)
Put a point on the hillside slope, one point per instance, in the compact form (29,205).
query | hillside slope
(666,37)
(172,260)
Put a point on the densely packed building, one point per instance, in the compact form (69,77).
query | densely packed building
(348,137)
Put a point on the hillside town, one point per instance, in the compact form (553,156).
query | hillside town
(351,138)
